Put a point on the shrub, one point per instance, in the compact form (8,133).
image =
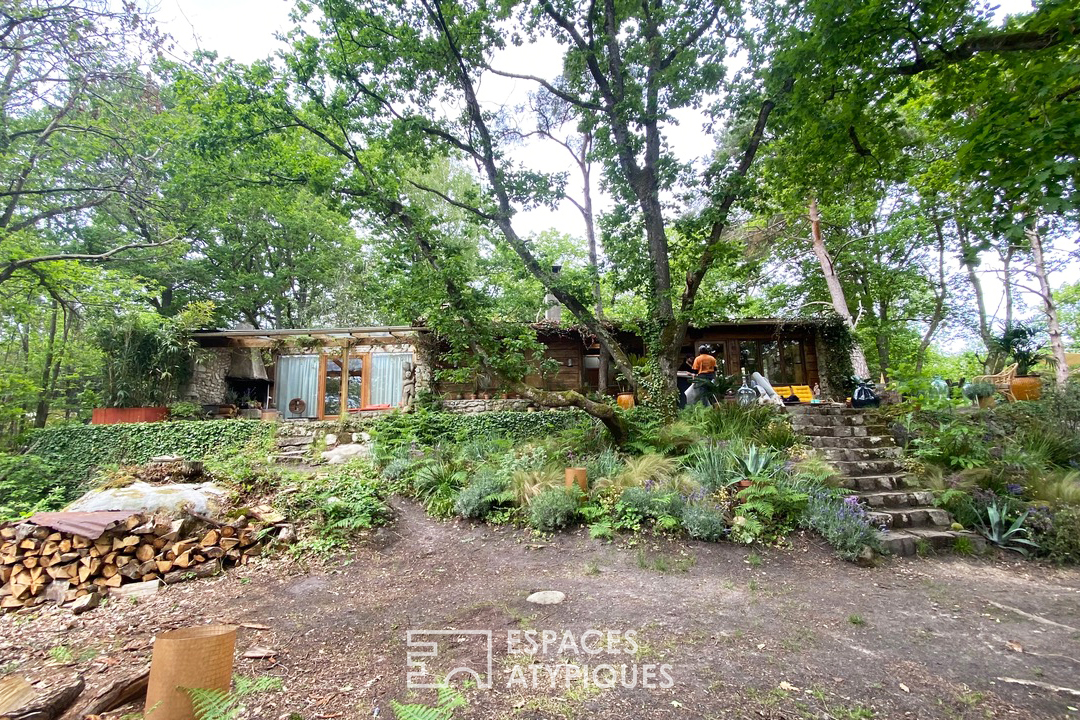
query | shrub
(1056,489)
(709,465)
(480,496)
(30,484)
(1057,533)
(605,464)
(185,410)
(842,522)
(704,522)
(527,485)
(436,484)
(553,510)
(333,507)
(646,471)
(635,502)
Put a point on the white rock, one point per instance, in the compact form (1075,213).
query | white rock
(546,597)
(342,453)
(331,440)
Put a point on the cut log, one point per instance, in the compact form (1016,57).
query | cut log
(145,552)
(79,542)
(15,692)
(207,569)
(113,582)
(164,566)
(137,590)
(51,705)
(132,570)
(210,539)
(183,560)
(87,601)
(7,533)
(66,545)
(117,694)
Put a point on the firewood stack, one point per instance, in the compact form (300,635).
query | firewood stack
(39,564)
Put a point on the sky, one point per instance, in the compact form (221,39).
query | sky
(245,30)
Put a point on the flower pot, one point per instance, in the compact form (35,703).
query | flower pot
(114,416)
(743,484)
(625,400)
(1026,387)
(577,476)
(987,402)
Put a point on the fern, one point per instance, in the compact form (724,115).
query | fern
(222,705)
(449,700)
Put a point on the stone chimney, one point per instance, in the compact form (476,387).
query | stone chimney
(553,310)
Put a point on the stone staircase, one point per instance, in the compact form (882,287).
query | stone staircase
(870,461)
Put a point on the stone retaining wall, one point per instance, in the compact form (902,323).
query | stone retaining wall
(474,407)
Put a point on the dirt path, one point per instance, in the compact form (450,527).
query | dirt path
(778,634)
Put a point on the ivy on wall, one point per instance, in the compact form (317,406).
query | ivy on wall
(834,344)
(77,449)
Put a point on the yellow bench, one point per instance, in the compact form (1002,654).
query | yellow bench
(803,392)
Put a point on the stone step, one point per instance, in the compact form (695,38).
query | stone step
(848,454)
(869,441)
(896,499)
(283,441)
(841,431)
(919,517)
(823,409)
(799,421)
(878,482)
(905,543)
(856,468)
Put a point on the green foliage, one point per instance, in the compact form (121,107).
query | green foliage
(478,498)
(77,449)
(1057,533)
(30,484)
(553,509)
(437,483)
(428,428)
(186,411)
(220,705)
(644,471)
(841,521)
(1005,534)
(710,465)
(147,356)
(448,701)
(333,507)
(1021,344)
(704,522)
(764,425)
(975,390)
(526,485)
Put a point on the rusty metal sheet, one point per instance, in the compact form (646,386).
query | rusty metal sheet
(88,524)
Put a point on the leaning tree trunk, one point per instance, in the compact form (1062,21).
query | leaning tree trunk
(836,290)
(1061,370)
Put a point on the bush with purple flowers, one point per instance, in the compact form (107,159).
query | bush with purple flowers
(842,521)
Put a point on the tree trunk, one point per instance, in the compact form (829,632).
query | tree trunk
(836,291)
(1006,279)
(969,258)
(1057,347)
(42,412)
(940,294)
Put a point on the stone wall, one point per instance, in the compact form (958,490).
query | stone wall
(472,407)
(207,383)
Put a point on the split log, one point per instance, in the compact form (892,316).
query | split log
(51,705)
(117,694)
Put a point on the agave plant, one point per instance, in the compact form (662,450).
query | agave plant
(1004,535)
(757,462)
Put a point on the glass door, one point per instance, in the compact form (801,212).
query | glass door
(331,384)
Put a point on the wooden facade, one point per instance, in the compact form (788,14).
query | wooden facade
(784,351)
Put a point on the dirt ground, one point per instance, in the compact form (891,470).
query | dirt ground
(780,633)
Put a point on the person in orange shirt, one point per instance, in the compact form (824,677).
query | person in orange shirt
(705,364)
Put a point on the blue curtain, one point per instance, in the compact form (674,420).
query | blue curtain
(386,377)
(297,377)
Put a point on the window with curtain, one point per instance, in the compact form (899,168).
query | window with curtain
(387,376)
(297,377)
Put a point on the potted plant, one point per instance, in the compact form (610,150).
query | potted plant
(1020,342)
(147,359)
(981,393)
